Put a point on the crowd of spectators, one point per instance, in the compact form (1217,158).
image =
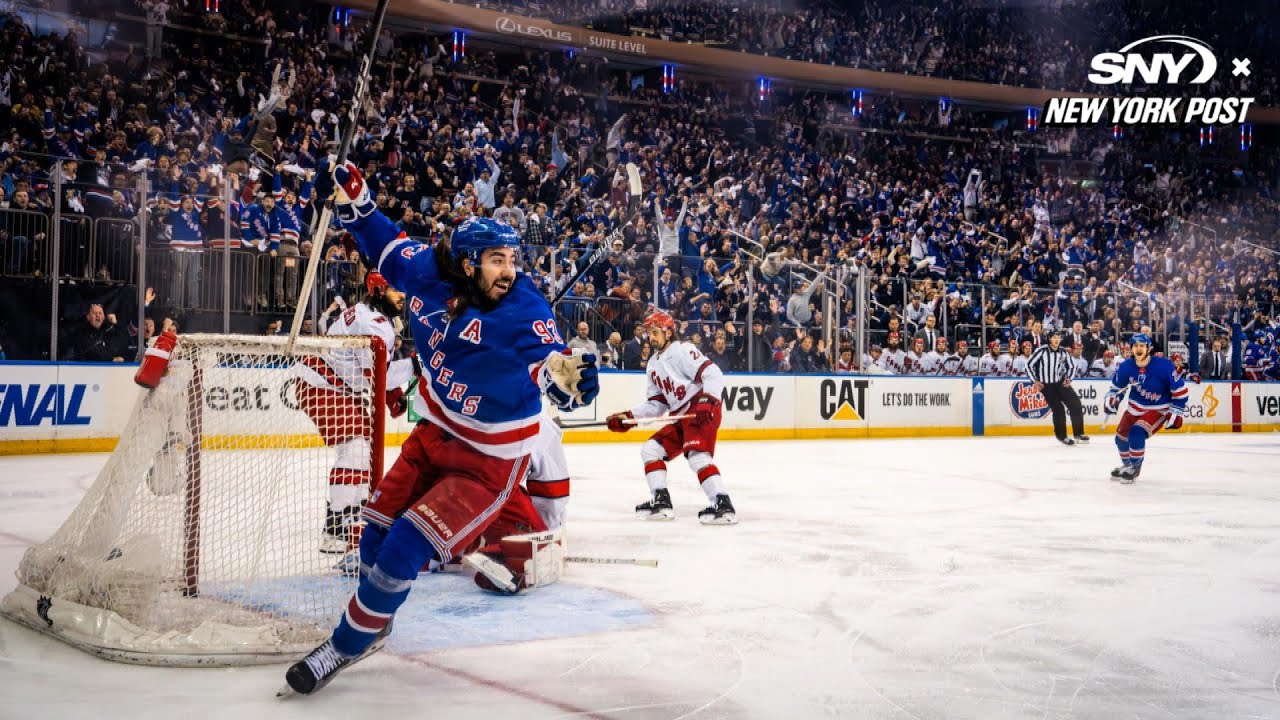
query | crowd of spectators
(772,206)
(1044,45)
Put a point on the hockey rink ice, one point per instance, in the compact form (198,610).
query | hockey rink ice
(940,578)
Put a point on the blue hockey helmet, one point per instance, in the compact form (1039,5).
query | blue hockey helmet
(474,236)
(1263,337)
(1141,337)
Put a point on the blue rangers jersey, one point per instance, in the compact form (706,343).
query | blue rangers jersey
(481,372)
(1155,387)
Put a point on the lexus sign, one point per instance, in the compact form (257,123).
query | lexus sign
(510,26)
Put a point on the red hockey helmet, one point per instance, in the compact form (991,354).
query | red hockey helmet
(660,319)
(374,283)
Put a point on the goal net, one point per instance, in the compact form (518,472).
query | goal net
(199,542)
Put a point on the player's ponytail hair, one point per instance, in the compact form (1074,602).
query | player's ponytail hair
(466,288)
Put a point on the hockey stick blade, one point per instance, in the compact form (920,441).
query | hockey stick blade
(641,562)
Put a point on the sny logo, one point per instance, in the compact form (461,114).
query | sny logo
(1195,65)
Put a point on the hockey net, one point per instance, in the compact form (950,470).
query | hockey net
(198,543)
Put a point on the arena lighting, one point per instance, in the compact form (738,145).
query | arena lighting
(459,45)
(944,104)
(341,17)
(1117,132)
(765,88)
(668,78)
(1033,119)
(857,103)
(213,6)
(1206,136)
(1246,137)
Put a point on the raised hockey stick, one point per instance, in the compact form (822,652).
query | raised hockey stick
(629,421)
(326,216)
(635,188)
(642,562)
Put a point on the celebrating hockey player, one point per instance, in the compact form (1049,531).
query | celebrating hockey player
(330,391)
(491,349)
(1157,399)
(682,381)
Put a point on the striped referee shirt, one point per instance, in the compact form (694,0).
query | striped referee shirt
(1047,365)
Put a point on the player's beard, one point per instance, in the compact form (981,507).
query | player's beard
(490,292)
(666,341)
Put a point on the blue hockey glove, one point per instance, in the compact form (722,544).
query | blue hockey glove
(351,200)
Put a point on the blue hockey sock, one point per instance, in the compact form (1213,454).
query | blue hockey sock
(1137,445)
(1122,444)
(383,588)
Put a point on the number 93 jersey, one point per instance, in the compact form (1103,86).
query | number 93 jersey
(677,375)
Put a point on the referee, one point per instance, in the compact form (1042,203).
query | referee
(1050,369)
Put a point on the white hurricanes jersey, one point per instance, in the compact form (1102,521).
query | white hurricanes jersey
(351,369)
(1004,366)
(1020,365)
(914,360)
(893,362)
(1079,367)
(953,365)
(1103,370)
(931,363)
(677,375)
(989,366)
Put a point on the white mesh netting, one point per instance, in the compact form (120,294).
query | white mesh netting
(199,541)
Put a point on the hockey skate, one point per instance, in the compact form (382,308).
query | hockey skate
(1067,441)
(320,665)
(659,508)
(1129,473)
(335,538)
(720,513)
(1115,472)
(1082,439)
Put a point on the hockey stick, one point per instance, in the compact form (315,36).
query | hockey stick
(1124,398)
(635,188)
(326,216)
(642,562)
(629,421)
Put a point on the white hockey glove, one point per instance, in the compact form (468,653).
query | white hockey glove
(528,561)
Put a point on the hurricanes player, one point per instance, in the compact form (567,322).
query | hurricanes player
(681,381)
(329,390)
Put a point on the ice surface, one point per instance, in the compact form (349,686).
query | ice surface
(939,578)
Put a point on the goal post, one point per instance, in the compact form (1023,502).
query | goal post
(198,544)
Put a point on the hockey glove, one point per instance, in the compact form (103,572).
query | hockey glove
(570,379)
(1111,403)
(1174,421)
(397,402)
(617,422)
(352,199)
(704,409)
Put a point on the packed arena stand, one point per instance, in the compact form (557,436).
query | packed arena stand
(965,229)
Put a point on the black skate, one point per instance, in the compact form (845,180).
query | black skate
(1067,441)
(1082,439)
(320,666)
(1115,473)
(315,670)
(659,508)
(334,539)
(1129,473)
(720,513)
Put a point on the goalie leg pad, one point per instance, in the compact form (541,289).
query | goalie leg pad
(528,561)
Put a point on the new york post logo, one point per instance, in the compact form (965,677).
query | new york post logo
(1159,60)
